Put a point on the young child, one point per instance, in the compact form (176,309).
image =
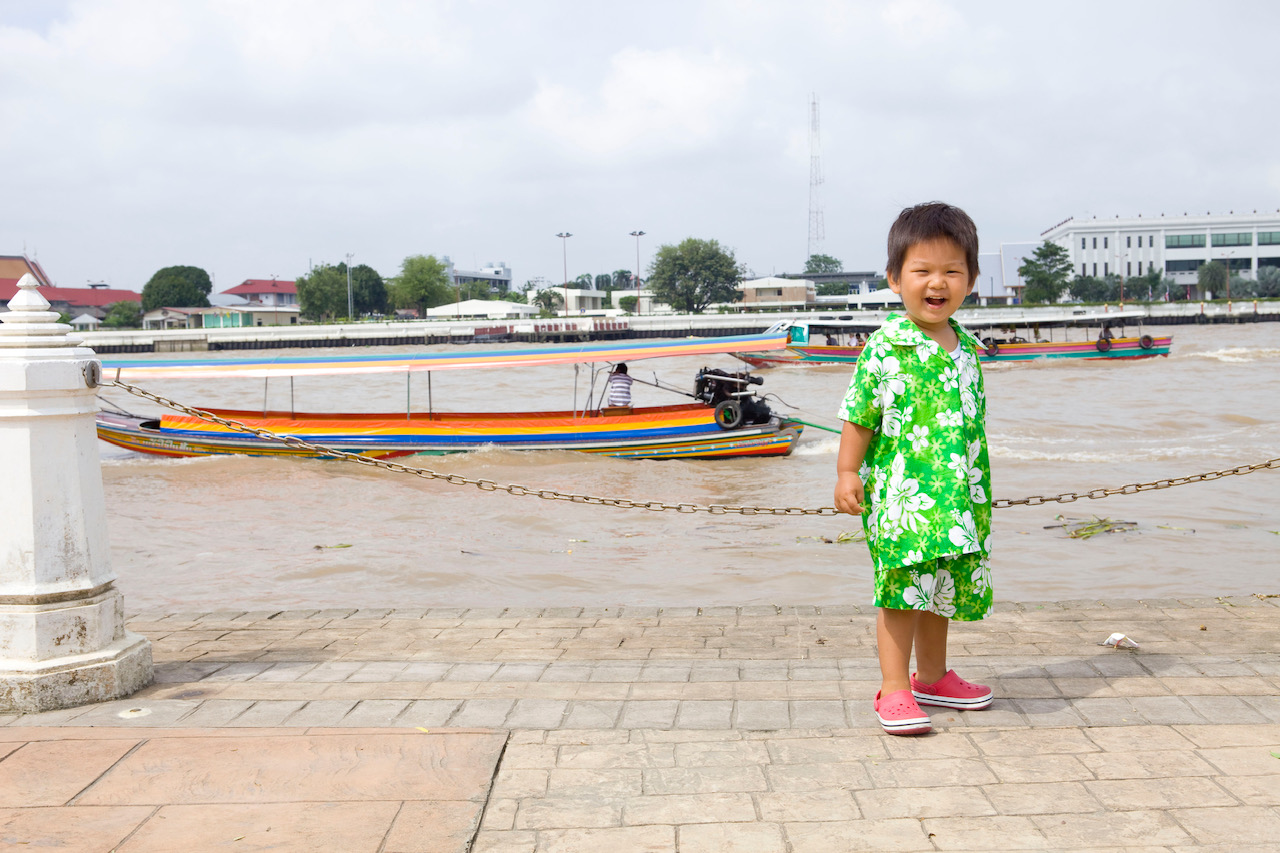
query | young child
(913,463)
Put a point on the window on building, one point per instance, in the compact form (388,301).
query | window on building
(1128,243)
(1151,267)
(1106,269)
(1095,242)
(1268,262)
(1082,245)
(1239,238)
(1095,270)
(1269,238)
(1084,269)
(1183,266)
(1184,241)
(1128,268)
(1106,242)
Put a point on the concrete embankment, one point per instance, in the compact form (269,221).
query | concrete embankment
(462,331)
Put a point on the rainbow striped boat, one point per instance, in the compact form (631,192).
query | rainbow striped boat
(1023,340)
(725,420)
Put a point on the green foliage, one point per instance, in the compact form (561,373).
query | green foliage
(322,294)
(1268,282)
(621,280)
(125,314)
(368,290)
(549,300)
(177,287)
(694,274)
(823,264)
(1088,288)
(423,283)
(1046,273)
(604,281)
(1212,278)
(583,282)
(628,303)
(833,288)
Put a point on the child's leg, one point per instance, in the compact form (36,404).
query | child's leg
(895,629)
(931,646)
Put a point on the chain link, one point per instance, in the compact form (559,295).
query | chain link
(518,490)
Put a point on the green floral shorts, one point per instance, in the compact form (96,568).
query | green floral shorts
(956,587)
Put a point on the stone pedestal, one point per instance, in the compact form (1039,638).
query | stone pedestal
(62,636)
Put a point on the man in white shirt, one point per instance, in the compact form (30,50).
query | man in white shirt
(619,387)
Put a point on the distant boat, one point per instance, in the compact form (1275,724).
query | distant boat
(725,418)
(839,341)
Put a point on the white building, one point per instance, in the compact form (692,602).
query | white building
(483,309)
(1177,245)
(778,294)
(998,280)
(496,276)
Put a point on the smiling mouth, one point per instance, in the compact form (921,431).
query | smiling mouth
(935,301)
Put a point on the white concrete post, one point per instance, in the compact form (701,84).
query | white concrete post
(62,636)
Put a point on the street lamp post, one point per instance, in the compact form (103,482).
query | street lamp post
(350,301)
(637,235)
(564,246)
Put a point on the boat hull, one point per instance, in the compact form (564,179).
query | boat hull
(666,432)
(1121,348)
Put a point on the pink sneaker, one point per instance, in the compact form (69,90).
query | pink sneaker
(900,715)
(952,691)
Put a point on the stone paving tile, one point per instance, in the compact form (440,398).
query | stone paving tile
(732,838)
(689,808)
(1123,828)
(882,836)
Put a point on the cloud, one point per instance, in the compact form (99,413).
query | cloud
(647,103)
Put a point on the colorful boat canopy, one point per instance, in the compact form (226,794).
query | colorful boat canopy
(610,352)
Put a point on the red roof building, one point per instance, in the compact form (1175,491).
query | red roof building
(266,291)
(93,299)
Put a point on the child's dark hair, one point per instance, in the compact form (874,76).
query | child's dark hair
(932,221)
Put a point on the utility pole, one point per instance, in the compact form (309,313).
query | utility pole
(564,245)
(350,301)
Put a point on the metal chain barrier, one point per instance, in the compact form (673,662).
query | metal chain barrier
(654,506)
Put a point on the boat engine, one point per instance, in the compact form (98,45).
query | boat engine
(730,394)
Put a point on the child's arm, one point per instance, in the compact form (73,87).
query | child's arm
(854,440)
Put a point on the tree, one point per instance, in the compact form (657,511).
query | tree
(833,288)
(177,287)
(583,282)
(368,290)
(322,293)
(1087,288)
(125,314)
(1212,278)
(550,301)
(1268,282)
(822,264)
(628,303)
(604,281)
(423,283)
(1046,273)
(622,280)
(694,274)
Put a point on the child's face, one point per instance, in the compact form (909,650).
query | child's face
(933,284)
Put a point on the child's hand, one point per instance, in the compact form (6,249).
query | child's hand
(849,493)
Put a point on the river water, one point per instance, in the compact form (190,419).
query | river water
(251,533)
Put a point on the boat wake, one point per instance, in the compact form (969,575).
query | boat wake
(1237,355)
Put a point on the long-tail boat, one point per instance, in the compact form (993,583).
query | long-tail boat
(1027,338)
(725,418)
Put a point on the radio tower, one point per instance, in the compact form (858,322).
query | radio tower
(817,232)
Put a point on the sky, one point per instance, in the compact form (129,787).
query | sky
(255,138)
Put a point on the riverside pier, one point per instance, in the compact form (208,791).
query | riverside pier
(564,329)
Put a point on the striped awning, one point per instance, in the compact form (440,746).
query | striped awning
(610,352)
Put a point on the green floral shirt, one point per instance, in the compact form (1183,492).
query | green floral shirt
(926,473)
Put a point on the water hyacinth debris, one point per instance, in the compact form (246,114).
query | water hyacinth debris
(1086,528)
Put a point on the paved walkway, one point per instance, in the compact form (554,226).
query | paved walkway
(646,729)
